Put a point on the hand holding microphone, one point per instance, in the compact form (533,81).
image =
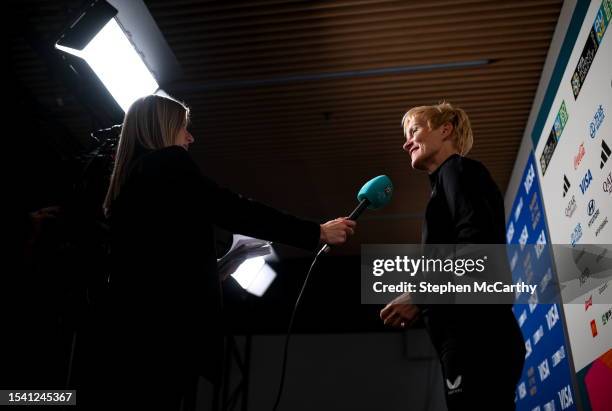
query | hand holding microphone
(374,194)
(335,232)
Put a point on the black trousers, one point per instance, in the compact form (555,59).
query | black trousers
(481,352)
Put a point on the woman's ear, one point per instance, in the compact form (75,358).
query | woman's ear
(447,130)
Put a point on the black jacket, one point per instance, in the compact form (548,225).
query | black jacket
(165,286)
(466,207)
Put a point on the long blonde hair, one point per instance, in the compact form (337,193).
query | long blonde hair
(443,113)
(151,122)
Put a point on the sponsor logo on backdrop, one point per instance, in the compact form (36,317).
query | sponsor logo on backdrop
(519,207)
(602,288)
(585,183)
(538,334)
(524,237)
(558,356)
(571,207)
(593,212)
(534,207)
(547,152)
(529,179)
(604,14)
(527,348)
(549,406)
(605,318)
(553,137)
(584,63)
(588,302)
(576,234)
(586,273)
(533,300)
(544,370)
(594,328)
(605,153)
(560,121)
(522,390)
(591,46)
(601,226)
(607,184)
(510,232)
(532,381)
(604,251)
(513,261)
(591,207)
(566,185)
(522,318)
(578,157)
(552,316)
(540,244)
(596,122)
(545,280)
(565,397)
(527,267)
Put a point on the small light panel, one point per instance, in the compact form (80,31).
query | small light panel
(263,280)
(255,276)
(113,58)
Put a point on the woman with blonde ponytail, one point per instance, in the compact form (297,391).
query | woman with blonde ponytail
(164,323)
(480,368)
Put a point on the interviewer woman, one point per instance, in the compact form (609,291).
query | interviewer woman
(480,347)
(166,295)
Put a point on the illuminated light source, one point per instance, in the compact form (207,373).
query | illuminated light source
(111,55)
(255,276)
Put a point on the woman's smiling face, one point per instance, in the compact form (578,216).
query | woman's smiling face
(422,143)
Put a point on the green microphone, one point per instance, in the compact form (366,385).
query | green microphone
(374,194)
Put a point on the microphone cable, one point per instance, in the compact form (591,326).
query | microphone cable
(374,194)
(288,336)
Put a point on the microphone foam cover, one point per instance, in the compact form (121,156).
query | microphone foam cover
(378,191)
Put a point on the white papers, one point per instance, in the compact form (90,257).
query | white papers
(243,248)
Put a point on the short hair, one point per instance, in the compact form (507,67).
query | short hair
(443,113)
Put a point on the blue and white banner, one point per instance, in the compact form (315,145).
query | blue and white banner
(546,380)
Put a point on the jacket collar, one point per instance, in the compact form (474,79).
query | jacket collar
(433,177)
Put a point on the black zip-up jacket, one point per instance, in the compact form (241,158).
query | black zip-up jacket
(466,207)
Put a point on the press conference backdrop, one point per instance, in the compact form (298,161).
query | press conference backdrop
(573,152)
(546,381)
(570,135)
